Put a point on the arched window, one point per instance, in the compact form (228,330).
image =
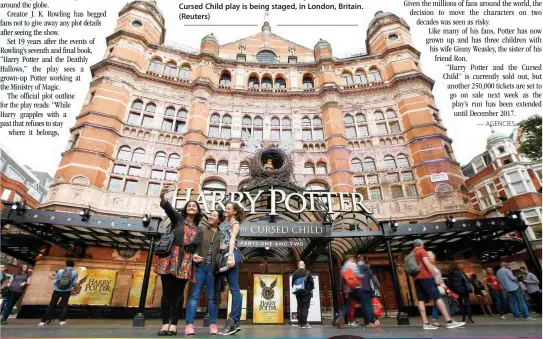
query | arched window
(390,163)
(211,165)
(317,186)
(244,167)
(280,83)
(267,83)
(265,57)
(348,119)
(222,167)
(360,117)
(184,72)
(155,66)
(346,78)
(402,160)
(252,127)
(170,111)
(275,122)
(374,75)
(220,127)
(253,82)
(213,186)
(307,82)
(124,153)
(312,130)
(356,165)
(139,155)
(181,121)
(170,69)
(227,119)
(391,114)
(215,118)
(360,77)
(160,159)
(321,168)
(306,122)
(280,129)
(369,164)
(287,122)
(226,79)
(174,160)
(379,116)
(309,168)
(317,121)
(138,104)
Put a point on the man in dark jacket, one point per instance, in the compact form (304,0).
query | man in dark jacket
(367,292)
(303,298)
(459,283)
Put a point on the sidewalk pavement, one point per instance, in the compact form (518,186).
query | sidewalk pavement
(484,327)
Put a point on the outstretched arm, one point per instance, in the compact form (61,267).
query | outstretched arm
(168,208)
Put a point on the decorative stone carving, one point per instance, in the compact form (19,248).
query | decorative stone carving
(242,48)
(444,191)
(77,194)
(128,254)
(292,49)
(59,179)
(80,180)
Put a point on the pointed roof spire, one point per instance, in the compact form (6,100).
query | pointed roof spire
(266,26)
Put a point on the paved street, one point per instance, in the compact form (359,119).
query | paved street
(485,327)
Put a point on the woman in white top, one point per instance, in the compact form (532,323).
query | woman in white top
(442,288)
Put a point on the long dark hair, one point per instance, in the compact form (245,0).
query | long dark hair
(197,217)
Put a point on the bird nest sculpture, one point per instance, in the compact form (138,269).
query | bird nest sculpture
(269,166)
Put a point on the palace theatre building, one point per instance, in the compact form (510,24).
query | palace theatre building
(159,114)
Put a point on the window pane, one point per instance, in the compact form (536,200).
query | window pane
(225,80)
(180,126)
(227,120)
(215,118)
(287,133)
(318,134)
(317,121)
(373,179)
(359,181)
(309,169)
(131,186)
(6,194)
(519,188)
(348,119)
(155,66)
(171,176)
(407,176)
(363,130)
(382,129)
(375,193)
(267,83)
(157,174)
(265,57)
(167,125)
(253,82)
(184,73)
(222,167)
(153,189)
(247,121)
(321,168)
(134,171)
(390,163)
(210,166)
(393,177)
(307,83)
(160,159)
(275,121)
(170,70)
(147,121)
(397,192)
(124,154)
(351,132)
(16,198)
(360,78)
(182,114)
(134,118)
(244,168)
(115,184)
(258,121)
(119,169)
(150,108)
(306,134)
(402,161)
(411,190)
(174,161)
(138,104)
(258,134)
(138,156)
(275,135)
(170,111)
(514,176)
(369,165)
(214,131)
(306,122)
(225,132)
(395,127)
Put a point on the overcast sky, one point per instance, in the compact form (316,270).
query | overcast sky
(469,139)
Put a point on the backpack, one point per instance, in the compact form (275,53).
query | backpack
(65,279)
(410,264)
(299,284)
(351,279)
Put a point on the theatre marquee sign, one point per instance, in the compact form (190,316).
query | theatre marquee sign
(264,229)
(312,201)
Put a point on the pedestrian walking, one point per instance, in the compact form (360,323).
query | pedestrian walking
(350,272)
(481,294)
(442,288)
(349,316)
(460,284)
(532,288)
(63,282)
(5,280)
(205,274)
(17,286)
(427,281)
(510,284)
(366,293)
(302,287)
(176,268)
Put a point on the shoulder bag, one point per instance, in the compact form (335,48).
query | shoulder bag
(163,246)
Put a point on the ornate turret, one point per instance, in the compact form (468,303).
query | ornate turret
(210,45)
(387,31)
(322,50)
(142,18)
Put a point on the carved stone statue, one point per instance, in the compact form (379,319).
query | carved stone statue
(268,166)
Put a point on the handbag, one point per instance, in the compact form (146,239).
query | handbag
(377,307)
(5,291)
(163,246)
(469,286)
(442,290)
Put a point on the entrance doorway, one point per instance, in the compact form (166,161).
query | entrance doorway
(384,276)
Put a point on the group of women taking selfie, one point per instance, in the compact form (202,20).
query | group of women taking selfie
(202,255)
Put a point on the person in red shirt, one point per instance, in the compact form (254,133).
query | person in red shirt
(426,283)
(496,292)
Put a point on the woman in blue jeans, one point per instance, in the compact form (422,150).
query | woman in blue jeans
(209,250)
(234,214)
(435,310)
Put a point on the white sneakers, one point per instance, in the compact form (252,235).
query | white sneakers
(41,324)
(61,323)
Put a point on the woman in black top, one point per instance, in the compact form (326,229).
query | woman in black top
(481,294)
(459,284)
(17,287)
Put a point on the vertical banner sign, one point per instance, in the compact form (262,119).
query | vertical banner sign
(135,289)
(93,287)
(314,315)
(243,304)
(268,299)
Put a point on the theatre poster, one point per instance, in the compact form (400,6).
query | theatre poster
(135,289)
(268,299)
(94,287)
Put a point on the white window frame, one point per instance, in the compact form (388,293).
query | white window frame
(524,179)
(6,196)
(17,173)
